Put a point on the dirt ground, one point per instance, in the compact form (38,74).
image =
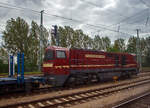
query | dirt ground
(140,103)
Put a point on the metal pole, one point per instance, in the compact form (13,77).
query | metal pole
(22,67)
(138,48)
(56,35)
(41,37)
(18,65)
(9,66)
(57,39)
(12,63)
(13,66)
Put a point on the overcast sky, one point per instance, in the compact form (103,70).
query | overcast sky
(107,15)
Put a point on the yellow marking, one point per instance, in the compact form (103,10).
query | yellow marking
(58,67)
(130,65)
(63,66)
(67,66)
(47,65)
(91,65)
(94,56)
(101,65)
(110,65)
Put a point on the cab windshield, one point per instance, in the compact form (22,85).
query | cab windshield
(49,55)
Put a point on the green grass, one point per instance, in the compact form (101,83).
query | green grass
(26,73)
(35,72)
(3,73)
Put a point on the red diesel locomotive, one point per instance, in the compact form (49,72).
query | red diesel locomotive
(63,66)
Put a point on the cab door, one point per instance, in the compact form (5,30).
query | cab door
(62,62)
(117,60)
(123,60)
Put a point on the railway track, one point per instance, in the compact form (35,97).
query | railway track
(78,97)
(54,89)
(144,73)
(133,101)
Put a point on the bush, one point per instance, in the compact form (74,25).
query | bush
(30,67)
(4,68)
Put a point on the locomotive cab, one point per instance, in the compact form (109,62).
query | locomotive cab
(48,61)
(56,64)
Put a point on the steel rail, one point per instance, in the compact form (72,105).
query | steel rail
(76,97)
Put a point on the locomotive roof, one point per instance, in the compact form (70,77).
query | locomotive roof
(57,48)
(100,51)
(63,48)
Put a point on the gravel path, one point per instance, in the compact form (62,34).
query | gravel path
(140,103)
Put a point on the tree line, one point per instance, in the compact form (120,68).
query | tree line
(18,36)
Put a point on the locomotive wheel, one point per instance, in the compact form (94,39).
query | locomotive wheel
(81,79)
(70,82)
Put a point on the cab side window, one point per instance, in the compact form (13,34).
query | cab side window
(49,55)
(60,54)
(124,60)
